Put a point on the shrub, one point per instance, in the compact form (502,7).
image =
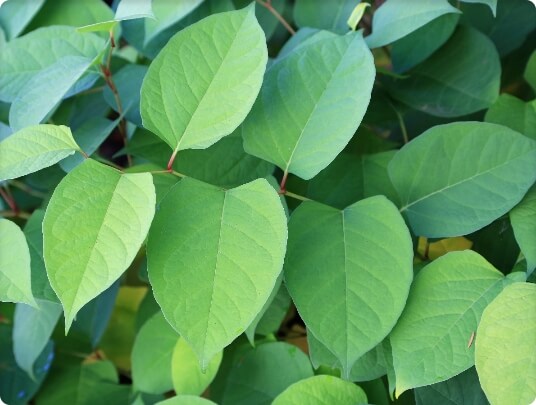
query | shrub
(287,202)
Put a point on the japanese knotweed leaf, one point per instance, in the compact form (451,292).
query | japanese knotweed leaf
(460,78)
(203,83)
(432,340)
(523,219)
(311,104)
(328,15)
(349,273)
(22,58)
(187,376)
(457,178)
(504,346)
(94,225)
(15,271)
(397,18)
(32,328)
(34,148)
(214,257)
(321,390)
(151,356)
(186,400)
(514,113)
(259,375)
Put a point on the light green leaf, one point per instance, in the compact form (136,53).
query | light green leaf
(166,14)
(24,57)
(328,15)
(349,273)
(492,4)
(34,148)
(45,90)
(397,18)
(187,376)
(443,176)
(357,15)
(504,346)
(263,373)
(416,47)
(151,356)
(515,114)
(452,82)
(15,272)
(105,26)
(431,339)
(227,267)
(33,230)
(205,80)
(15,15)
(186,400)
(321,390)
(32,328)
(94,225)
(311,104)
(530,71)
(523,219)
(131,9)
(463,389)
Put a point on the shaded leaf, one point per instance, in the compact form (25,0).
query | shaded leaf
(332,15)
(523,219)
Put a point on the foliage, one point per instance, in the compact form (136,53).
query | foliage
(256,202)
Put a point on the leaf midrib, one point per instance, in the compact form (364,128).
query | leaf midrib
(467,179)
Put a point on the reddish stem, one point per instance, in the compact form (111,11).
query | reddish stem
(283,184)
(171,160)
(10,201)
(268,5)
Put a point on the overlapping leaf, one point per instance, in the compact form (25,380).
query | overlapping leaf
(94,225)
(349,273)
(311,104)
(213,259)
(444,175)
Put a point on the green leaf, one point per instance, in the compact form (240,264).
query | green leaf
(530,71)
(33,230)
(264,372)
(34,148)
(416,47)
(114,212)
(397,18)
(324,85)
(32,328)
(186,400)
(350,178)
(272,313)
(321,390)
(523,219)
(187,376)
(492,4)
(515,114)
(431,339)
(213,237)
(443,176)
(463,389)
(131,9)
(371,365)
(151,356)
(16,386)
(367,251)
(504,346)
(15,271)
(45,90)
(22,58)
(166,14)
(198,89)
(87,383)
(76,13)
(15,15)
(331,15)
(451,82)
